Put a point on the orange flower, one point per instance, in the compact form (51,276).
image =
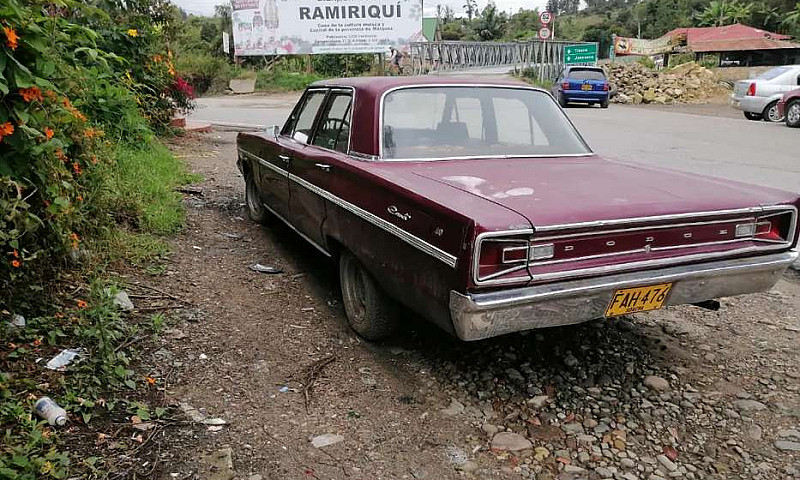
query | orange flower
(31,94)
(16,263)
(79,198)
(12,39)
(6,129)
(50,95)
(48,132)
(15,254)
(150,380)
(81,304)
(158,58)
(76,169)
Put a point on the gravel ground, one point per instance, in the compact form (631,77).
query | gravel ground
(678,393)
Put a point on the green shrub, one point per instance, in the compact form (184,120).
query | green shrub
(647,62)
(204,71)
(267,80)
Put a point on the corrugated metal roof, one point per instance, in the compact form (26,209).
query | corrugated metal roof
(729,38)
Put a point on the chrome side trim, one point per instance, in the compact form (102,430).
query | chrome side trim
(432,250)
(379,122)
(477,316)
(637,229)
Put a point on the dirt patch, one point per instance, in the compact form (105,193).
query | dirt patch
(427,406)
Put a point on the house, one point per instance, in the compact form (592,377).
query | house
(739,45)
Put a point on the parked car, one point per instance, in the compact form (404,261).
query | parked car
(582,85)
(480,207)
(789,108)
(758,98)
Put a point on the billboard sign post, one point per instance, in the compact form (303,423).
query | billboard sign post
(286,27)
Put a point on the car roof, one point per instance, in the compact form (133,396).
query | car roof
(378,85)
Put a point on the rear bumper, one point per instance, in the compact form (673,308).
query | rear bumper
(749,104)
(584,96)
(484,315)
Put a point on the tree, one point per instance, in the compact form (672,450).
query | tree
(471,7)
(719,13)
(490,24)
(791,23)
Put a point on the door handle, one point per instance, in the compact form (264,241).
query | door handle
(284,158)
(324,167)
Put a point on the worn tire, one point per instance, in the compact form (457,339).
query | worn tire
(753,116)
(771,113)
(255,210)
(793,114)
(370,312)
(604,104)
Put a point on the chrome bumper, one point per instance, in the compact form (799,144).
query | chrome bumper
(484,315)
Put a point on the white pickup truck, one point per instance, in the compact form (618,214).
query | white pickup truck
(758,97)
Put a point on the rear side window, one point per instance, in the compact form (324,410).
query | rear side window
(301,123)
(334,129)
(586,74)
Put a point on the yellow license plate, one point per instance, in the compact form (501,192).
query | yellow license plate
(639,299)
(586,87)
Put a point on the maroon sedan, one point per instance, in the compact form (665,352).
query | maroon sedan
(789,108)
(481,208)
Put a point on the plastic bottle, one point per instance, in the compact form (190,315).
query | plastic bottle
(49,410)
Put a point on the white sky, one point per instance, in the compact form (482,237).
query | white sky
(206,7)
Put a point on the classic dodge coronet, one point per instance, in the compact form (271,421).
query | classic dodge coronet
(481,208)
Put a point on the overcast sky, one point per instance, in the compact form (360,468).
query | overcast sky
(206,7)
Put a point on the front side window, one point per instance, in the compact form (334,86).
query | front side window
(446,122)
(301,122)
(334,129)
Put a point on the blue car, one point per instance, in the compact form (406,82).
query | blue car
(582,85)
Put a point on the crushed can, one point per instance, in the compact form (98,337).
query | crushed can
(49,410)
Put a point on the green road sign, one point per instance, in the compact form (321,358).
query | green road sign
(580,54)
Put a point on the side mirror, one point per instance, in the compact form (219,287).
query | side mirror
(274,130)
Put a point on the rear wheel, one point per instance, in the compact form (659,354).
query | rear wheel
(753,116)
(771,113)
(604,104)
(370,312)
(255,209)
(562,101)
(793,114)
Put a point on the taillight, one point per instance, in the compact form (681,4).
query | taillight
(605,87)
(503,257)
(771,228)
(751,92)
(565,86)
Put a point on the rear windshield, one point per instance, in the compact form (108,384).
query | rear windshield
(586,74)
(447,122)
(773,73)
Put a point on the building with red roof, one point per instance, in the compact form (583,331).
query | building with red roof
(740,45)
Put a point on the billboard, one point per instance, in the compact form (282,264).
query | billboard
(285,27)
(637,46)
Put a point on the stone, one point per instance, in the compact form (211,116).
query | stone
(490,429)
(570,361)
(656,383)
(508,441)
(454,408)
(218,465)
(243,85)
(590,423)
(603,473)
(627,463)
(539,401)
(573,428)
(754,432)
(749,405)
(325,440)
(123,301)
(666,463)
(789,433)
(573,469)
(255,477)
(787,445)
(514,375)
(540,453)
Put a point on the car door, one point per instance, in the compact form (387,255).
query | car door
(293,138)
(314,166)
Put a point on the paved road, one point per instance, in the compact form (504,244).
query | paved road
(733,148)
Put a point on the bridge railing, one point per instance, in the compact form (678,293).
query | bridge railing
(546,57)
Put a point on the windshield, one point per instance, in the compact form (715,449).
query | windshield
(773,73)
(586,74)
(471,121)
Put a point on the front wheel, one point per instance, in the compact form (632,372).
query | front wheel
(604,104)
(753,116)
(255,209)
(771,113)
(370,312)
(793,114)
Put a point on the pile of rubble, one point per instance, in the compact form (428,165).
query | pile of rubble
(686,83)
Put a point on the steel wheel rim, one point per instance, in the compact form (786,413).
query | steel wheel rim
(773,114)
(355,291)
(252,202)
(793,115)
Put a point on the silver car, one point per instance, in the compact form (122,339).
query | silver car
(758,97)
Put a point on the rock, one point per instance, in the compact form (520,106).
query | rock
(17,321)
(789,433)
(255,477)
(508,441)
(243,85)
(514,375)
(218,465)
(325,440)
(214,421)
(649,95)
(570,361)
(490,429)
(194,414)
(468,466)
(539,401)
(787,445)
(637,99)
(627,463)
(454,408)
(573,428)
(749,405)
(573,469)
(540,453)
(754,432)
(123,301)
(666,463)
(656,383)
(603,472)
(590,423)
